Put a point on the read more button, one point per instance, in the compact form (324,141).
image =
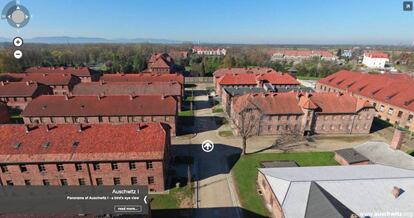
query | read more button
(128,208)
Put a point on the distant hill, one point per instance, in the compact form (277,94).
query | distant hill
(88,40)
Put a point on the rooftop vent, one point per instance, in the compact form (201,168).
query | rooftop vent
(46,144)
(75,144)
(17,145)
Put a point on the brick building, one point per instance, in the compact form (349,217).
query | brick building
(273,79)
(85,74)
(145,77)
(304,113)
(392,95)
(300,55)
(18,94)
(102,109)
(61,83)
(4,113)
(97,154)
(172,88)
(160,63)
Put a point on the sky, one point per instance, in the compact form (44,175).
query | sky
(222,21)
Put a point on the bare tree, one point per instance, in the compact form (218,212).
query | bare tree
(289,140)
(247,123)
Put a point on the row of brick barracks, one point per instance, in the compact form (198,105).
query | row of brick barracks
(392,95)
(93,154)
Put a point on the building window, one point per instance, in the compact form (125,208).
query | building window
(78,167)
(132,166)
(60,167)
(4,169)
(374,104)
(41,167)
(134,181)
(400,113)
(23,168)
(9,182)
(149,165)
(99,181)
(114,165)
(117,181)
(269,128)
(390,111)
(81,181)
(27,182)
(63,182)
(382,108)
(410,118)
(46,182)
(278,127)
(151,180)
(96,166)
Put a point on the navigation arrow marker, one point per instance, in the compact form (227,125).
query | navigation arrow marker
(145,200)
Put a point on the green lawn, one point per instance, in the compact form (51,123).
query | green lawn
(171,200)
(218,110)
(308,77)
(186,113)
(189,98)
(245,174)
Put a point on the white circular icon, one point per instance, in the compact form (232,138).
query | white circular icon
(18,54)
(207,146)
(17,41)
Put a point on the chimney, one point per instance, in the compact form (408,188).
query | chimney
(27,128)
(66,97)
(162,96)
(139,127)
(80,127)
(131,97)
(47,128)
(396,191)
(397,139)
(2,83)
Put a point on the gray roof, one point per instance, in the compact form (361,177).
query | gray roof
(277,163)
(341,190)
(380,153)
(351,156)
(295,89)
(322,204)
(243,90)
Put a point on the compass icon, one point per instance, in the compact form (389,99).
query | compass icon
(16,14)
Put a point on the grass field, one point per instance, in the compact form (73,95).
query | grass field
(217,110)
(171,200)
(225,133)
(308,78)
(186,113)
(245,174)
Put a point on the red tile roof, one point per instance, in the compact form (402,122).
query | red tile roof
(253,78)
(61,106)
(161,60)
(77,71)
(293,102)
(393,89)
(97,142)
(376,54)
(18,89)
(143,77)
(128,88)
(241,70)
(44,78)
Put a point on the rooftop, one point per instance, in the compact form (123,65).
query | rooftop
(67,142)
(273,78)
(50,106)
(394,89)
(381,153)
(351,156)
(128,88)
(143,77)
(77,71)
(340,189)
(241,70)
(44,78)
(18,89)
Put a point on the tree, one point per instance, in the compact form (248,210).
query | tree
(247,123)
(288,141)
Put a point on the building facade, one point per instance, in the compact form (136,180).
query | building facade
(18,94)
(97,154)
(375,60)
(303,113)
(160,63)
(102,109)
(300,55)
(390,94)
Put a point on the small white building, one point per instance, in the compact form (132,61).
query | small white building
(209,51)
(375,60)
